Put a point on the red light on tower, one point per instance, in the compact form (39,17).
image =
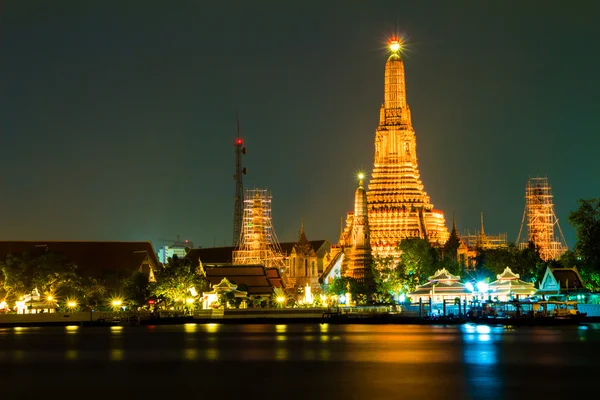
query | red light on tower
(239,142)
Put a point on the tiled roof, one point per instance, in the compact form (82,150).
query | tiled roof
(567,277)
(257,279)
(223,255)
(91,258)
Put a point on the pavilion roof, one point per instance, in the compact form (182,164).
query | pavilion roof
(441,288)
(507,274)
(443,275)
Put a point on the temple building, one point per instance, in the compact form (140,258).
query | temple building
(352,255)
(441,286)
(304,260)
(398,206)
(508,286)
(561,282)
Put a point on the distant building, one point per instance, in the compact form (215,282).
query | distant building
(178,247)
(561,282)
(94,259)
(304,260)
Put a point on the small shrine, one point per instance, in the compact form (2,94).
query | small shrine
(562,282)
(209,299)
(441,286)
(33,303)
(508,286)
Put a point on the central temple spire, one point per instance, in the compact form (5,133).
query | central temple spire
(398,206)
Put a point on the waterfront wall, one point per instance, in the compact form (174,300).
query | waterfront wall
(592,310)
(76,317)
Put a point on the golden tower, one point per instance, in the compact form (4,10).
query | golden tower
(398,206)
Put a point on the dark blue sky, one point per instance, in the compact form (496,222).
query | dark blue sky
(118,118)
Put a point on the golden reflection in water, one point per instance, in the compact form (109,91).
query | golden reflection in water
(325,355)
(324,328)
(324,338)
(309,338)
(281,328)
(255,328)
(190,328)
(18,330)
(308,328)
(116,330)
(71,329)
(116,355)
(190,354)
(281,354)
(212,328)
(281,338)
(71,355)
(212,354)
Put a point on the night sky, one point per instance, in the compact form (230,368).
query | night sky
(118,118)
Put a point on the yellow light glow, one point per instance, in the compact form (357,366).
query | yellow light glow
(361,176)
(189,300)
(71,304)
(116,302)
(280,299)
(50,297)
(395,45)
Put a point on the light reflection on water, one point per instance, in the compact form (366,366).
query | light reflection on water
(470,361)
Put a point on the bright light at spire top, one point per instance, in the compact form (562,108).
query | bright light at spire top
(361,176)
(395,44)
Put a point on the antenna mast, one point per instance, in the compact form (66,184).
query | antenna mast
(238,206)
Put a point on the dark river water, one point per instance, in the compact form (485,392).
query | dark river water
(300,361)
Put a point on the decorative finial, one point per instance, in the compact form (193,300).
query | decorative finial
(395,44)
(360,176)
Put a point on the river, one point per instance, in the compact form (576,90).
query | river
(303,361)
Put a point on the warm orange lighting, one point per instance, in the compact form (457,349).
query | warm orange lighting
(395,45)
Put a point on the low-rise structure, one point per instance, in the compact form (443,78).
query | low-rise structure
(508,286)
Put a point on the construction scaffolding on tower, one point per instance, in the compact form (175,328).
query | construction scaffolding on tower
(479,239)
(258,243)
(541,220)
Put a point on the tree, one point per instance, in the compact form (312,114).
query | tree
(137,289)
(389,280)
(175,279)
(586,221)
(49,272)
(451,246)
(418,261)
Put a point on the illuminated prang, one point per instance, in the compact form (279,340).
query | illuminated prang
(398,206)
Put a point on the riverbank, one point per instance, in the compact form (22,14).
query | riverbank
(266,316)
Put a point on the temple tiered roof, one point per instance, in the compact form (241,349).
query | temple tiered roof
(509,284)
(398,205)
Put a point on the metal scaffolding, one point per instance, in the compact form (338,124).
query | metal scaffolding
(258,243)
(541,219)
(479,239)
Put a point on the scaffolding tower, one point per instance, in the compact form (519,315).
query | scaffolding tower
(541,220)
(479,239)
(258,243)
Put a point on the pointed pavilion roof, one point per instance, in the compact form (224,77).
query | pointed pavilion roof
(509,283)
(303,245)
(225,285)
(443,275)
(507,274)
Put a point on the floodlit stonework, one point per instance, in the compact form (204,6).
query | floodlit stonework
(398,205)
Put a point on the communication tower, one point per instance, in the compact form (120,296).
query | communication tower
(238,210)
(541,219)
(258,243)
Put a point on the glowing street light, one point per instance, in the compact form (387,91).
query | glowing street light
(280,300)
(71,305)
(189,300)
